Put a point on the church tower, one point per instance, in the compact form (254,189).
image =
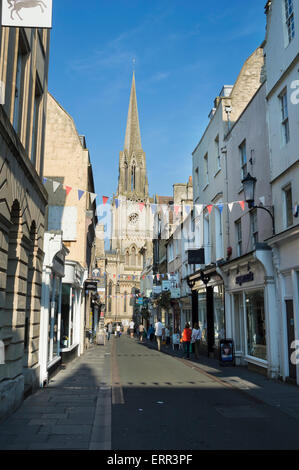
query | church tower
(132,221)
(133,183)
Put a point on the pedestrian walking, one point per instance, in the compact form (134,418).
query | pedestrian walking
(195,339)
(151,333)
(141,332)
(118,330)
(132,324)
(109,329)
(167,336)
(186,337)
(159,333)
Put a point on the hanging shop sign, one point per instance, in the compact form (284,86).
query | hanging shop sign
(27,13)
(175,293)
(91,286)
(244,278)
(157,289)
(166,286)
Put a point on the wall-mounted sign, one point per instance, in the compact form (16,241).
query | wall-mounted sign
(157,289)
(96,272)
(245,278)
(196,256)
(27,13)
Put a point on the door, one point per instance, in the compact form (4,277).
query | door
(291,336)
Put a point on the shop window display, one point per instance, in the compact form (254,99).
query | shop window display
(53,327)
(256,329)
(202,315)
(219,320)
(67,316)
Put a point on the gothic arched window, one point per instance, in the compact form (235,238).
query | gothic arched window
(126,176)
(133,177)
(127,258)
(133,256)
(125,302)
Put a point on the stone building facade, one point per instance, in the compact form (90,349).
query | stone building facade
(71,210)
(24,75)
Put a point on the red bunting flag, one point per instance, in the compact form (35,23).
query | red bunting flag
(105,199)
(210,207)
(68,190)
(176,209)
(141,206)
(242,204)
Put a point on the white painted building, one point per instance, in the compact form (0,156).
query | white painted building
(282,68)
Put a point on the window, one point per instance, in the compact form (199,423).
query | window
(19,80)
(284,118)
(207,244)
(36,114)
(125,302)
(239,237)
(133,256)
(288,199)
(133,178)
(218,157)
(254,229)
(197,180)
(206,169)
(290,23)
(127,258)
(243,160)
(255,323)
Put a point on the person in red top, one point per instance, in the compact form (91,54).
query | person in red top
(186,336)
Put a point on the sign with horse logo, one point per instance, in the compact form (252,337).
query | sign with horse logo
(27,13)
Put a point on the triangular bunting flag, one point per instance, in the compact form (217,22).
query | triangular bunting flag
(154,208)
(68,190)
(176,209)
(230,206)
(210,207)
(242,204)
(198,209)
(187,209)
(141,206)
(44,180)
(55,185)
(92,197)
(220,207)
(80,193)
(105,199)
(116,203)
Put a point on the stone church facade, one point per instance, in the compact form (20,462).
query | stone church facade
(132,224)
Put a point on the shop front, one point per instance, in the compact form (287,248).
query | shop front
(250,303)
(71,311)
(208,290)
(51,305)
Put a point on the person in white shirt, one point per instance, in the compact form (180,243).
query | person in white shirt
(159,332)
(132,324)
(195,339)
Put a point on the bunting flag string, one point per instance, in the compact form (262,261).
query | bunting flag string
(176,209)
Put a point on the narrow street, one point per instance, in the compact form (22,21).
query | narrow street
(128,396)
(167,404)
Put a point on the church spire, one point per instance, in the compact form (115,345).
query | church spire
(133,138)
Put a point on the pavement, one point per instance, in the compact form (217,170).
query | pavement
(72,412)
(127,395)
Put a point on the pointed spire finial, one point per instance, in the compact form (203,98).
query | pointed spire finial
(133,138)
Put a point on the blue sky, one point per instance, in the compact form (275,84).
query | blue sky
(185,51)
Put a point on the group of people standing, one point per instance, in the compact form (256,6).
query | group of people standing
(190,337)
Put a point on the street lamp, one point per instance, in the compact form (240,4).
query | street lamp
(249,187)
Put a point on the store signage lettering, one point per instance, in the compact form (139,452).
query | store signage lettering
(244,278)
